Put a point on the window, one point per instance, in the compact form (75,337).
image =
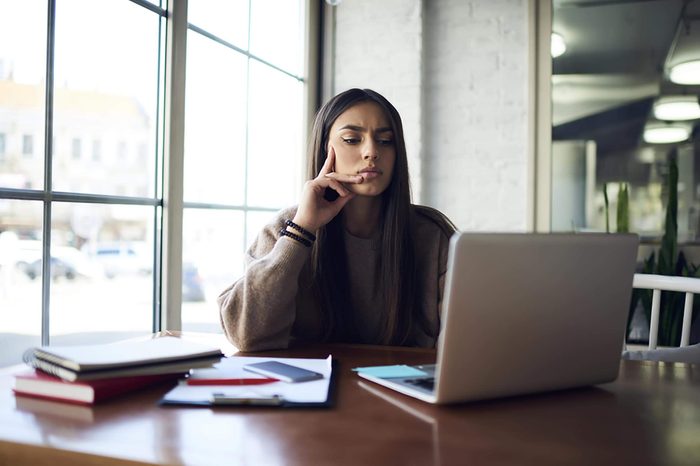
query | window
(96,151)
(76,147)
(97,216)
(604,99)
(231,160)
(121,151)
(114,92)
(27,145)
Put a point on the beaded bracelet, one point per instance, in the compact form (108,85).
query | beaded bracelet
(301,230)
(303,241)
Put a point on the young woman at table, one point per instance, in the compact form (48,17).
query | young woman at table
(355,261)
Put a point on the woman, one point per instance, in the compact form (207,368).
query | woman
(355,261)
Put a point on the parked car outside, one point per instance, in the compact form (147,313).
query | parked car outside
(66,262)
(192,289)
(28,251)
(122,258)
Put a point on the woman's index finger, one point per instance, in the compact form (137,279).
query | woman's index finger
(328,164)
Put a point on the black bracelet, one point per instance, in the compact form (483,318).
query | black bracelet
(301,230)
(303,241)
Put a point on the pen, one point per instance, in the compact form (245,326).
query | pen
(264,400)
(230,381)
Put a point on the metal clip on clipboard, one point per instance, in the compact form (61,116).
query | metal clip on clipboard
(221,399)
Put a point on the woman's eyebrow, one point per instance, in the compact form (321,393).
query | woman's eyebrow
(351,127)
(361,128)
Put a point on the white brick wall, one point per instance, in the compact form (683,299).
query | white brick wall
(457,71)
(379,46)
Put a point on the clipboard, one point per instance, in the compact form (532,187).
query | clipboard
(312,394)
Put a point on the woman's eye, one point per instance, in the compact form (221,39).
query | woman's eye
(386,142)
(351,140)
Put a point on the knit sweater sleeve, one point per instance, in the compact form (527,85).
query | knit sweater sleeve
(257,311)
(433,233)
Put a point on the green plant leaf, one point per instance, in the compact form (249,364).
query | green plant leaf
(623,213)
(669,241)
(607,219)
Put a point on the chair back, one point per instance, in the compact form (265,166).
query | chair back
(659,283)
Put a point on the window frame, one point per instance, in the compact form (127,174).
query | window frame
(167,200)
(540,118)
(309,79)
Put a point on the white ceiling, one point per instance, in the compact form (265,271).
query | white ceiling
(618,52)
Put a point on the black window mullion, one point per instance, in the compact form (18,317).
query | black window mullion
(247,134)
(250,56)
(48,164)
(158,161)
(150,6)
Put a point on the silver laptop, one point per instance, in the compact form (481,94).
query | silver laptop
(526,313)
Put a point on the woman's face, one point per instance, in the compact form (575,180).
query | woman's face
(364,145)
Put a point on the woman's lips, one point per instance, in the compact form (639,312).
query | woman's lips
(370,173)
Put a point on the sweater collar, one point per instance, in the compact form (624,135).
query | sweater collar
(353,242)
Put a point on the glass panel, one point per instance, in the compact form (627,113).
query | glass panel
(621,123)
(212,259)
(102,263)
(226,19)
(20,278)
(607,91)
(215,123)
(275,151)
(256,221)
(22,93)
(105,98)
(276,33)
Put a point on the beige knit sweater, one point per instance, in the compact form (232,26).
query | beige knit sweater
(273,301)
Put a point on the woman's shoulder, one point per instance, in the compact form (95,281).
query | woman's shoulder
(432,219)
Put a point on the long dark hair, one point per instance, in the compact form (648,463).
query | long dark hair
(396,267)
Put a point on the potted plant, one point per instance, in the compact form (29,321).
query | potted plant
(671,261)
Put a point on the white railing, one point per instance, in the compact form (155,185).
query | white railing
(659,283)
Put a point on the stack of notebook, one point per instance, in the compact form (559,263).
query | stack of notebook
(91,373)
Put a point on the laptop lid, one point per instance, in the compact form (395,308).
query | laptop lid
(525,313)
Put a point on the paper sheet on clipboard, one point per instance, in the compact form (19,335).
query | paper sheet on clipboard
(315,392)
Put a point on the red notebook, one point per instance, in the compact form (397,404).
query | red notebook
(39,385)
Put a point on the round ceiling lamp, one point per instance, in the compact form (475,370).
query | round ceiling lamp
(685,73)
(558,45)
(666,134)
(677,108)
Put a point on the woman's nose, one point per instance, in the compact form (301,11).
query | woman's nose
(371,152)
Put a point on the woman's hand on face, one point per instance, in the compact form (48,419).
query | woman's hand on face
(314,210)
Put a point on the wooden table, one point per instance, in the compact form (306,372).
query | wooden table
(650,415)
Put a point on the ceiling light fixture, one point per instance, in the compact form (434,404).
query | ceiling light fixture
(666,134)
(558,45)
(685,73)
(677,108)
